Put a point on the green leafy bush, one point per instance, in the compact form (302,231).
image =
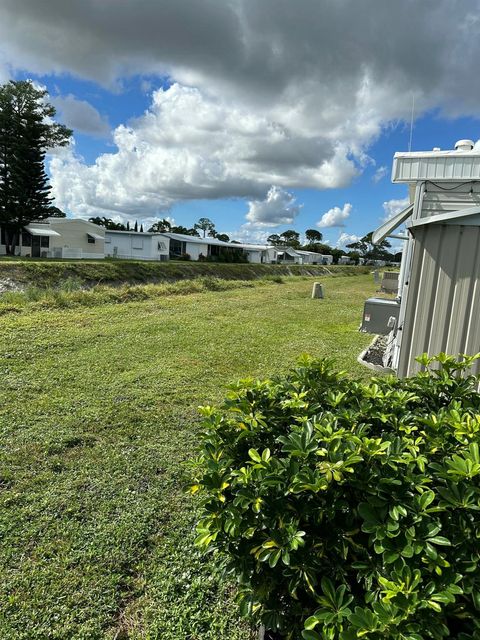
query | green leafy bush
(348,509)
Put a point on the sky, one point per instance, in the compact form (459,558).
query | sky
(262,115)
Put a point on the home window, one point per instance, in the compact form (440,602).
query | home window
(90,239)
(44,242)
(177,248)
(213,250)
(137,242)
(162,246)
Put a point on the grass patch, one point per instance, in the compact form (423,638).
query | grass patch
(98,416)
(71,294)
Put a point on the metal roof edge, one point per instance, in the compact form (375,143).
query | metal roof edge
(390,225)
(443,217)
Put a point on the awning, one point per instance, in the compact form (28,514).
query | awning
(95,236)
(35,231)
(390,225)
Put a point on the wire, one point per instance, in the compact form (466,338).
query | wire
(411,123)
(462,184)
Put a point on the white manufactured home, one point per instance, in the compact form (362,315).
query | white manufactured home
(59,238)
(439,281)
(134,245)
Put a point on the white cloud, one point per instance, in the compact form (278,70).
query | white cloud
(379,174)
(392,207)
(250,234)
(257,102)
(80,115)
(277,208)
(177,151)
(335,217)
(346,238)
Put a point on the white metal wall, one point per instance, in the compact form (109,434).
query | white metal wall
(442,312)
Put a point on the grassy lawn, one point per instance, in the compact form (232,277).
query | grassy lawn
(97,417)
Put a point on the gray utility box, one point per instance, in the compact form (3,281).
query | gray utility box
(390,281)
(380,315)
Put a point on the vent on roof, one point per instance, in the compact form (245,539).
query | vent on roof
(464,145)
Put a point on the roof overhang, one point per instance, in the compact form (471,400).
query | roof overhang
(390,225)
(35,231)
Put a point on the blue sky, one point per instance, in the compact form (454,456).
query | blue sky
(262,118)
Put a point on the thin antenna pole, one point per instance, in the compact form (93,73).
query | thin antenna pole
(411,123)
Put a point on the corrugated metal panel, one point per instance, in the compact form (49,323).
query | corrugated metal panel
(443,302)
(452,197)
(412,167)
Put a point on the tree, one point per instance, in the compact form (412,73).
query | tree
(161,226)
(27,130)
(318,247)
(141,228)
(290,238)
(336,253)
(355,256)
(204,224)
(128,225)
(223,237)
(184,231)
(108,223)
(274,239)
(371,251)
(55,212)
(312,236)
(135,228)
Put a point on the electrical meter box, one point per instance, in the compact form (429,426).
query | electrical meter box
(380,315)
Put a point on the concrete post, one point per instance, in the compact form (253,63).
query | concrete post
(317,291)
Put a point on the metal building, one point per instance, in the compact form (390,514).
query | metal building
(439,282)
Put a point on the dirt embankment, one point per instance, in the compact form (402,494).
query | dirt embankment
(18,275)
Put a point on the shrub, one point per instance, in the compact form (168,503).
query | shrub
(348,509)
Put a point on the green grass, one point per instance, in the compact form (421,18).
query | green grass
(98,414)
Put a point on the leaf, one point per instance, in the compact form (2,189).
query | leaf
(426,498)
(328,589)
(274,558)
(440,540)
(390,556)
(367,513)
(254,455)
(311,622)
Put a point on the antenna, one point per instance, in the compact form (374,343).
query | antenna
(411,123)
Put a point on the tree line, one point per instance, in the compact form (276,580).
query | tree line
(27,131)
(363,248)
(165,226)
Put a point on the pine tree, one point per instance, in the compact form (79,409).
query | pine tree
(26,132)
(135,228)
(141,228)
(128,225)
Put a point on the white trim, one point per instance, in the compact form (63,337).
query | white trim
(445,217)
(390,225)
(35,231)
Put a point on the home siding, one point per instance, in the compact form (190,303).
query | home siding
(73,240)
(194,249)
(442,308)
